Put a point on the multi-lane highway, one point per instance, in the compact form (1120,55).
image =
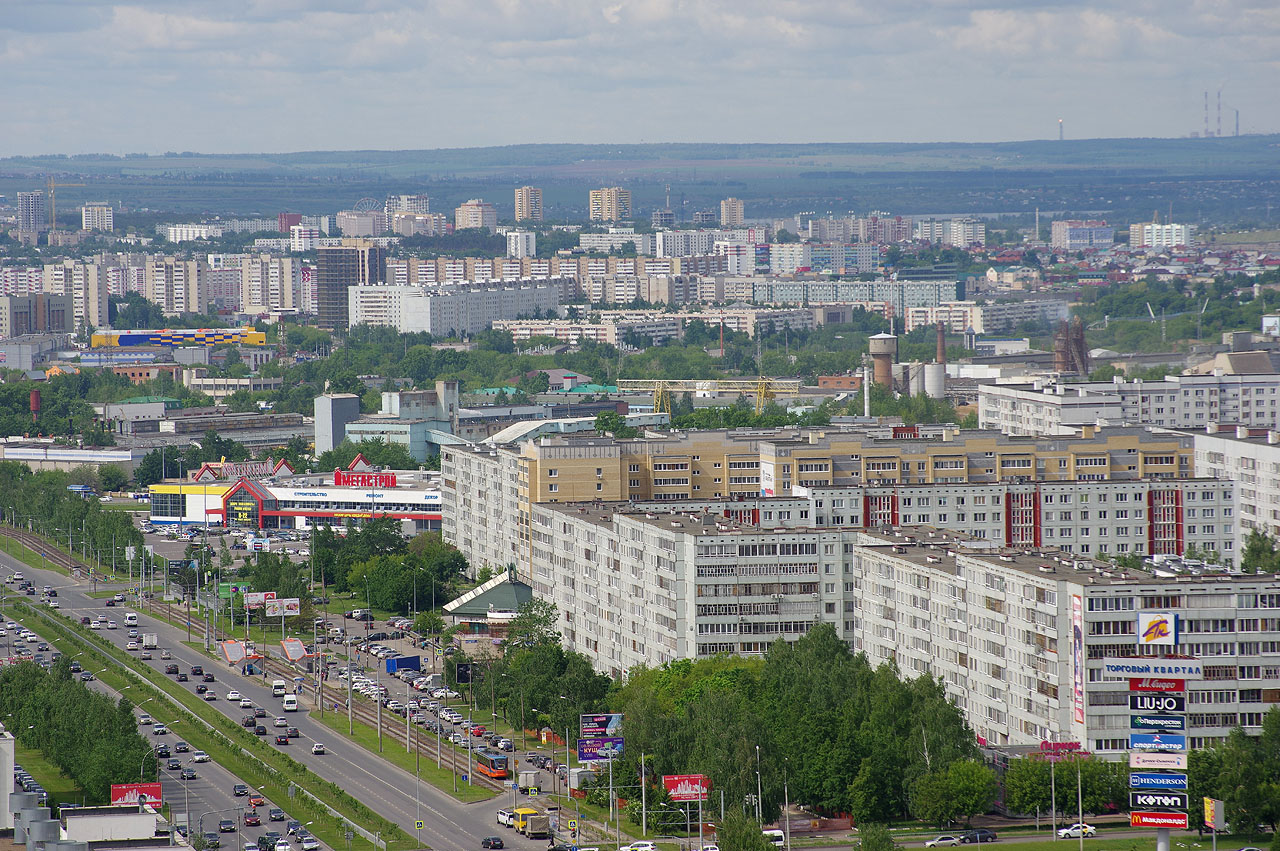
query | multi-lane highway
(386,789)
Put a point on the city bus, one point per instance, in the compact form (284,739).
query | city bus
(491,764)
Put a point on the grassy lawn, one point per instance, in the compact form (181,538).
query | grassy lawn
(27,555)
(1248,236)
(61,788)
(393,751)
(125,506)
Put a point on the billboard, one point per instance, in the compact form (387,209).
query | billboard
(1077,658)
(1151,780)
(287,607)
(1157,629)
(1175,761)
(1156,684)
(687,787)
(1133,666)
(1214,815)
(1157,703)
(1165,800)
(600,725)
(1147,819)
(1157,722)
(1157,742)
(257,599)
(131,794)
(598,748)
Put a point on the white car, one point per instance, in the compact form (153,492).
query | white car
(132,645)
(233,695)
(95,624)
(281,722)
(111,625)
(53,604)
(1076,830)
(946,840)
(283,845)
(199,756)
(639,846)
(246,703)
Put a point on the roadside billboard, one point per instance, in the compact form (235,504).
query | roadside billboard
(599,748)
(687,787)
(600,725)
(257,599)
(131,794)
(287,607)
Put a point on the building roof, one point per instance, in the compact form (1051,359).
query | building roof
(502,593)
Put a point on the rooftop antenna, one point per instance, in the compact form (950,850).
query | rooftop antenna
(1059,129)
(1206,113)
(1219,111)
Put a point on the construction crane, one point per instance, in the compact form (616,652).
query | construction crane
(762,389)
(53,207)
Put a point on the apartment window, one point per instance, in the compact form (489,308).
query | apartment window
(633,468)
(551,474)
(553,488)
(599,486)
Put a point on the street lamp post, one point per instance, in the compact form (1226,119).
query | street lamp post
(759,817)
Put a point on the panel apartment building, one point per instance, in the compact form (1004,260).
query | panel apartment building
(643,584)
(489,490)
(1179,401)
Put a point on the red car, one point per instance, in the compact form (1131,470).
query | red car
(478,730)
(256,800)
(252,819)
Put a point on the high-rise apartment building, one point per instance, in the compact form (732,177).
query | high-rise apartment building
(1155,235)
(357,262)
(177,285)
(731,213)
(522,244)
(85,284)
(97,217)
(419,204)
(965,233)
(610,204)
(475,214)
(267,284)
(33,216)
(528,204)
(1077,235)
(38,313)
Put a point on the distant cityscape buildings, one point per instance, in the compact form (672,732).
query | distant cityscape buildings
(354,263)
(1155,235)
(528,204)
(731,213)
(475,214)
(1078,235)
(610,204)
(97,217)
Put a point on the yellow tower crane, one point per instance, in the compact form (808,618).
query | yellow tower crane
(762,389)
(53,206)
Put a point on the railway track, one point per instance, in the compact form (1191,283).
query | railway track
(55,557)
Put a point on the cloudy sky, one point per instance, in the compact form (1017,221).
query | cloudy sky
(283,75)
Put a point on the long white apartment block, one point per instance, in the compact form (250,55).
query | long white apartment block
(1179,401)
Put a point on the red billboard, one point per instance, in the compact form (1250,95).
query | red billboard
(687,787)
(135,793)
(1156,684)
(1140,818)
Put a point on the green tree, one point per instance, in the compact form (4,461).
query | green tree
(1260,554)
(932,801)
(534,624)
(611,422)
(428,623)
(740,833)
(1026,785)
(972,786)
(112,477)
(875,836)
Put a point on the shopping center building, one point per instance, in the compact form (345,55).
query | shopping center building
(268,495)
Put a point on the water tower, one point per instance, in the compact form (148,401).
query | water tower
(884,351)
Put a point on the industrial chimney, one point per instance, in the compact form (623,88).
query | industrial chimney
(941,356)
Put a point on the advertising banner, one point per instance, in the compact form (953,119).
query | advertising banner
(598,748)
(1172,761)
(1151,780)
(131,794)
(1156,684)
(600,725)
(288,607)
(687,787)
(1168,800)
(1077,658)
(1214,816)
(1157,742)
(1157,722)
(1157,629)
(1147,819)
(1126,667)
(257,599)
(1157,703)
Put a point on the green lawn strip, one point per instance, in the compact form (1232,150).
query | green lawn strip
(228,742)
(61,788)
(124,506)
(393,751)
(27,555)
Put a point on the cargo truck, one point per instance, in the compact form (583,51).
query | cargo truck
(537,827)
(150,640)
(530,780)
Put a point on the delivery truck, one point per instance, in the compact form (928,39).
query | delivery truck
(150,640)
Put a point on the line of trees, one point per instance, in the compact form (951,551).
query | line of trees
(93,739)
(41,502)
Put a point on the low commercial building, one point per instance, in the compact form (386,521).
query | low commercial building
(44,455)
(449,310)
(31,350)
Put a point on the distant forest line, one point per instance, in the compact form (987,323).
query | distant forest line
(1229,180)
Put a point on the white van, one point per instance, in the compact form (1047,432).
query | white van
(278,688)
(290,703)
(130,619)
(774,836)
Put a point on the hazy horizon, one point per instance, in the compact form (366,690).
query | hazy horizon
(293,76)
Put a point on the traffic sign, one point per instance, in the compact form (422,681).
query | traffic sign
(1168,800)
(418,825)
(573,824)
(533,791)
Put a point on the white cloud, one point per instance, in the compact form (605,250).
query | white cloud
(244,75)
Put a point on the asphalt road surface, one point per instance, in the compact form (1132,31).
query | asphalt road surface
(387,789)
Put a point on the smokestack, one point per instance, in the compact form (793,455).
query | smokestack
(941,355)
(35,405)
(1061,346)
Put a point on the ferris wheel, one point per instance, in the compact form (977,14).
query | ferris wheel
(367,205)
